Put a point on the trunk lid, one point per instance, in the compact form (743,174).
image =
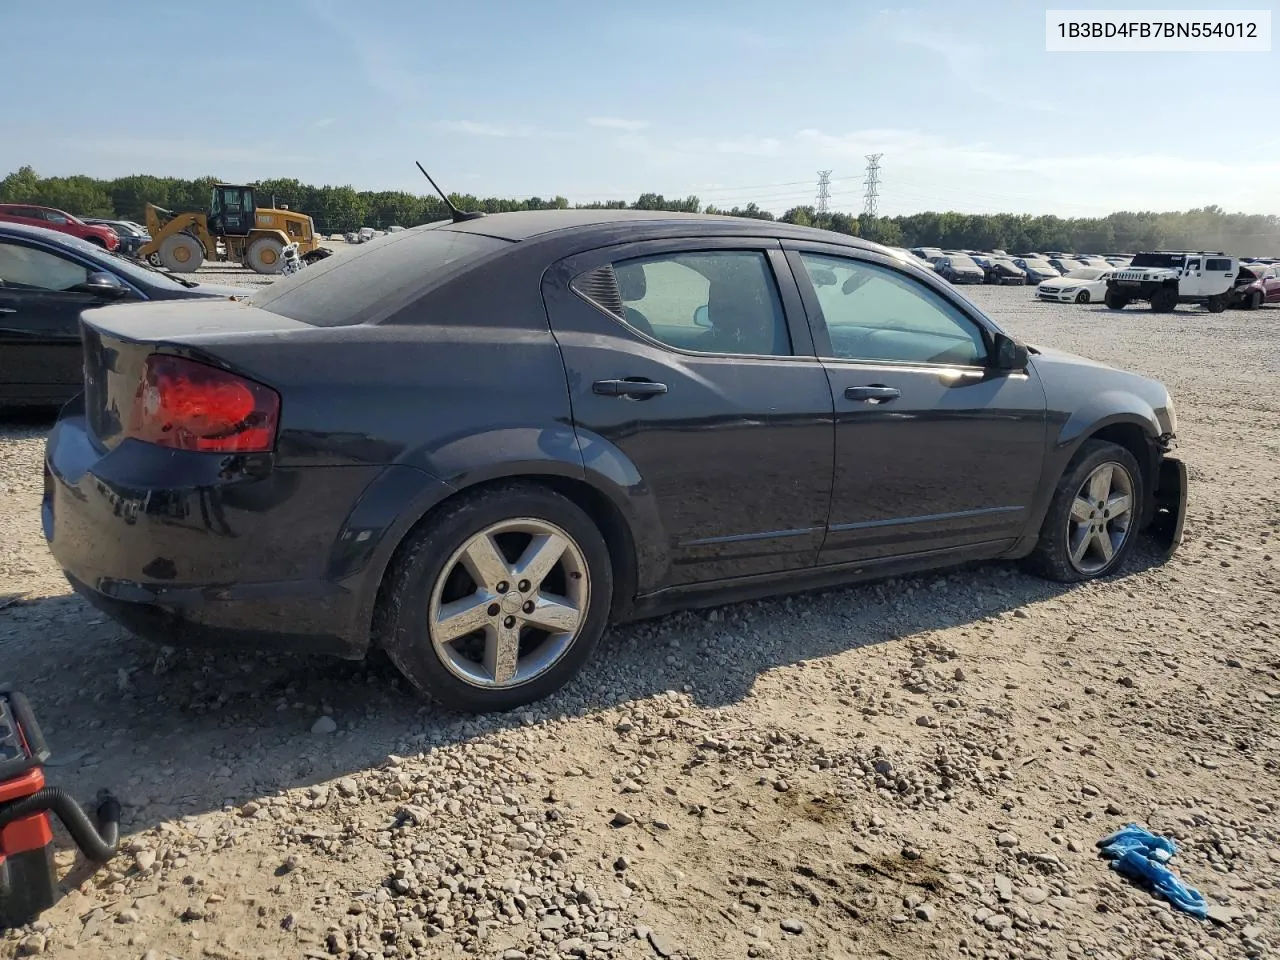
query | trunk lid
(119,338)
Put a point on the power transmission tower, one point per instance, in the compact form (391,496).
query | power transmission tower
(824,191)
(872,195)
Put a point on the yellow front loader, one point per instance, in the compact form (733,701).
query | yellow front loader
(260,238)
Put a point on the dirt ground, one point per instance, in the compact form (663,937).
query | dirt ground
(912,769)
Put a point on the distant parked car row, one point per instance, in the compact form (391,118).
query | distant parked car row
(999,267)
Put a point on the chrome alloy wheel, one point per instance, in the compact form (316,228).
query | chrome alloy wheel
(509,603)
(1101,518)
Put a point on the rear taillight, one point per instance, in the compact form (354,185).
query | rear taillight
(192,406)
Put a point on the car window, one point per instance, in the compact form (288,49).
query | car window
(710,302)
(53,216)
(874,313)
(1217,264)
(26,267)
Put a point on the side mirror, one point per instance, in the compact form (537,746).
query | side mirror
(102,284)
(1010,354)
(702,316)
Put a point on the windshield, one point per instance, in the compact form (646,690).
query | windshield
(960,262)
(377,278)
(1086,273)
(1158,260)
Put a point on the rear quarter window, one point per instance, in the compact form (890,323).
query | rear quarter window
(378,278)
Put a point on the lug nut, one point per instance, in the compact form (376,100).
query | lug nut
(524,586)
(494,609)
(503,586)
(528,606)
(509,622)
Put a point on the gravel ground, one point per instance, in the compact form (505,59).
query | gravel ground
(917,768)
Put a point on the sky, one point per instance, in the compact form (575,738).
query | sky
(728,100)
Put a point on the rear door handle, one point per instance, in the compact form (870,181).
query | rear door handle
(628,388)
(876,393)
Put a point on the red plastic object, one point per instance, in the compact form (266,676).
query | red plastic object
(28,882)
(189,405)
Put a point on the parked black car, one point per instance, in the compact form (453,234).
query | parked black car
(475,444)
(959,268)
(47,279)
(1002,271)
(1036,270)
(131,238)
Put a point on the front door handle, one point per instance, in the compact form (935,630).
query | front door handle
(875,393)
(635,389)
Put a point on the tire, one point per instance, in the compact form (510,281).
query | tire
(97,242)
(1216,304)
(1164,300)
(1082,296)
(434,570)
(1255,300)
(181,253)
(265,255)
(1066,524)
(1116,301)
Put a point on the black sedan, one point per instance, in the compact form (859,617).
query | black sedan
(47,279)
(475,444)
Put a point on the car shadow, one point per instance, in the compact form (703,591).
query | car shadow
(175,733)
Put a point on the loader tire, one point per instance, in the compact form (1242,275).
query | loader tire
(181,253)
(265,255)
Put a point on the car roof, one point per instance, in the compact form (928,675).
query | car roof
(527,224)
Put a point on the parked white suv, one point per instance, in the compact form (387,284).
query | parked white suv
(1166,279)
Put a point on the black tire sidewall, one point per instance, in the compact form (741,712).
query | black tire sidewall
(407,639)
(1083,297)
(1050,557)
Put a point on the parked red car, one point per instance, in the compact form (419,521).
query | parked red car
(52,219)
(1256,284)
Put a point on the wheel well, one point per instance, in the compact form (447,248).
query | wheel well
(603,513)
(1133,438)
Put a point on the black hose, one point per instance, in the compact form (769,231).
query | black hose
(98,844)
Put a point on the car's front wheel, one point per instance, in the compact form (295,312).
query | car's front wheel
(1094,516)
(1082,296)
(1116,301)
(499,600)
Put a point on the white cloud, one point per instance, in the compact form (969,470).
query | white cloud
(325,121)
(617,123)
(476,128)
(152,153)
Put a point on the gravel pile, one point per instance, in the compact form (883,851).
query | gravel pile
(918,768)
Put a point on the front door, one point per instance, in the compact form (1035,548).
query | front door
(40,354)
(694,386)
(934,449)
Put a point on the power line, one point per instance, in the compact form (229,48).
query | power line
(873,185)
(824,191)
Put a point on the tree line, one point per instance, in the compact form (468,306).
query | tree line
(338,209)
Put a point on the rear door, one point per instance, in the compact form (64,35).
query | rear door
(694,384)
(934,449)
(40,353)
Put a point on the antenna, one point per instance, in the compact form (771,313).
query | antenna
(824,191)
(458,215)
(873,185)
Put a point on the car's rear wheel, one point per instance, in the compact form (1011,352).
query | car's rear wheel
(499,600)
(1094,516)
(1116,301)
(1082,296)
(1216,304)
(1255,300)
